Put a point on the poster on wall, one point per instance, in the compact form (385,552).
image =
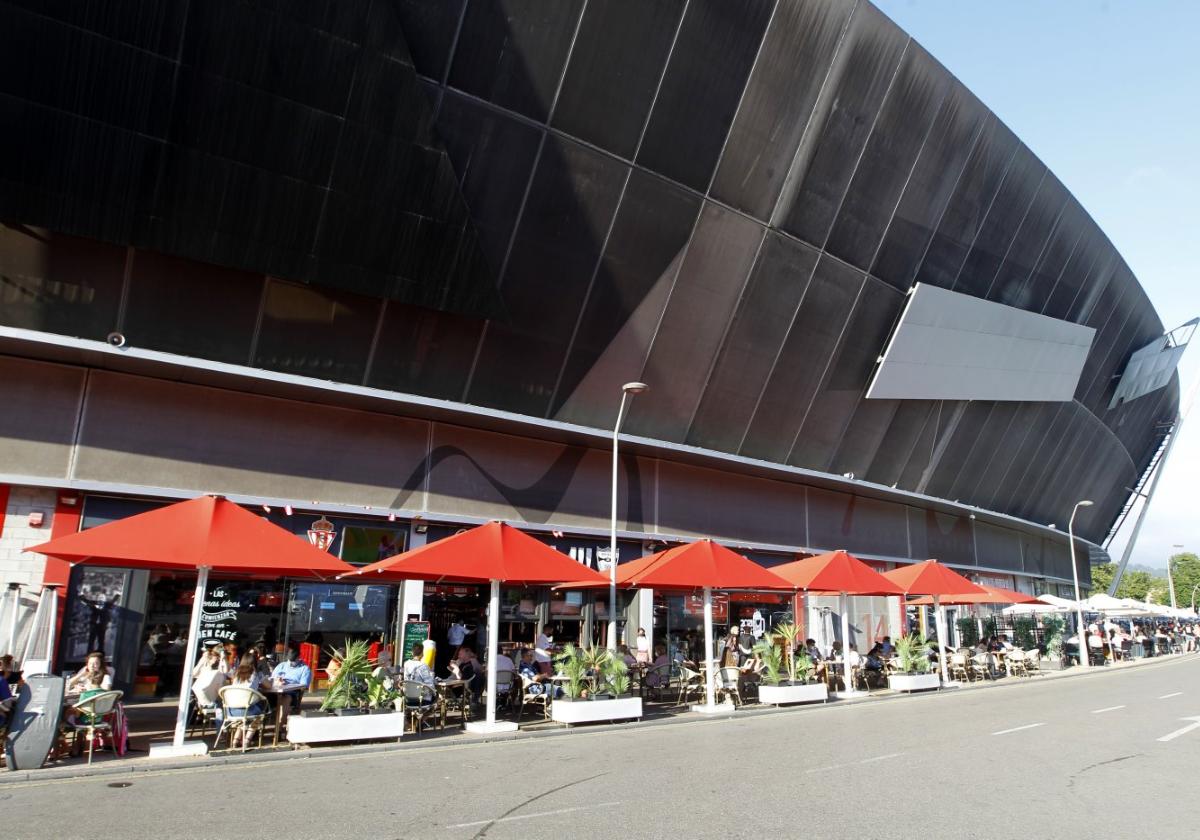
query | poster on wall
(93,610)
(361,545)
(218,617)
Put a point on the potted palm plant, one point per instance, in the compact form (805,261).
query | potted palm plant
(780,655)
(608,700)
(354,691)
(912,653)
(1053,627)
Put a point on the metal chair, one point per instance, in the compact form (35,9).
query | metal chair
(504,688)
(727,684)
(237,701)
(531,697)
(660,680)
(90,718)
(420,703)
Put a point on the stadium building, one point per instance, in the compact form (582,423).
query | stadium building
(389,263)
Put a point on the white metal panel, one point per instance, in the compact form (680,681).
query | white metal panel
(951,346)
(1151,367)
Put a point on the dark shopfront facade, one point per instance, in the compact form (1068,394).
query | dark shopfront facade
(139,618)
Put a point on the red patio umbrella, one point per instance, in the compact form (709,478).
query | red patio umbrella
(700,565)
(206,533)
(842,573)
(495,553)
(932,578)
(992,595)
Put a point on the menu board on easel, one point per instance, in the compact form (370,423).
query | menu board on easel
(415,633)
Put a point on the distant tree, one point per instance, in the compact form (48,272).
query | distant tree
(1102,576)
(1185,569)
(1135,585)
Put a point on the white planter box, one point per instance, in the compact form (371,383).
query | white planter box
(589,711)
(776,695)
(314,730)
(914,682)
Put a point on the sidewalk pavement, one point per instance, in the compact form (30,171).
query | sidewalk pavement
(155,722)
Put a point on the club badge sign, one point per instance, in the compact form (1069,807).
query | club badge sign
(322,533)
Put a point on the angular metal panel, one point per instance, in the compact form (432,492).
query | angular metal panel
(957,347)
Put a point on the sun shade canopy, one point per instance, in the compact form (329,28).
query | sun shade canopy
(993,595)
(207,531)
(836,572)
(932,578)
(494,551)
(698,565)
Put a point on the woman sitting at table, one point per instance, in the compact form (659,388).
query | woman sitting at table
(466,667)
(208,677)
(630,660)
(246,676)
(94,676)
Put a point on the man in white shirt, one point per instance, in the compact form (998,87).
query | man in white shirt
(541,650)
(456,635)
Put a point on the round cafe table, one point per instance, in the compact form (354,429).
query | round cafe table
(283,695)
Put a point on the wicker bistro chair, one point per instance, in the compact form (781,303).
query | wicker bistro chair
(420,704)
(531,697)
(958,667)
(727,684)
(91,718)
(1014,661)
(505,696)
(1033,659)
(690,682)
(981,667)
(236,717)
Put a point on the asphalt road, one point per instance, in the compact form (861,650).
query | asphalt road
(1109,755)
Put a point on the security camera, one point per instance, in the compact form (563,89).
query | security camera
(116,339)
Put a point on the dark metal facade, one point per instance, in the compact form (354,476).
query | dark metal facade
(523,204)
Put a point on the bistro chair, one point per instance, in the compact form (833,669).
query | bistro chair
(1014,661)
(504,688)
(958,667)
(529,697)
(660,680)
(690,683)
(420,704)
(91,719)
(236,717)
(1033,660)
(727,684)
(981,667)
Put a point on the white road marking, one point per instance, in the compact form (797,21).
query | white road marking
(881,758)
(812,770)
(534,816)
(1108,709)
(1018,728)
(1172,694)
(1185,730)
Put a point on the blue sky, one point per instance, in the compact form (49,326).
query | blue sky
(1107,94)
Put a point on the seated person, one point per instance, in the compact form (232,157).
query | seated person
(246,676)
(208,676)
(536,682)
(886,647)
(503,663)
(94,676)
(415,669)
(292,672)
(873,665)
(8,670)
(466,667)
(623,652)
(659,676)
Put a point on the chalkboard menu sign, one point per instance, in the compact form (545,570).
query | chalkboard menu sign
(415,632)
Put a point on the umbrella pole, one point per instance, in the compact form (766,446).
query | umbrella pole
(939,618)
(847,681)
(710,689)
(490,725)
(177,747)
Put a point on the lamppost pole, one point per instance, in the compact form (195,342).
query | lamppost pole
(1194,588)
(627,390)
(1084,653)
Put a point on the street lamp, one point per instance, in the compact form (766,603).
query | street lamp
(1194,588)
(1084,653)
(627,390)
